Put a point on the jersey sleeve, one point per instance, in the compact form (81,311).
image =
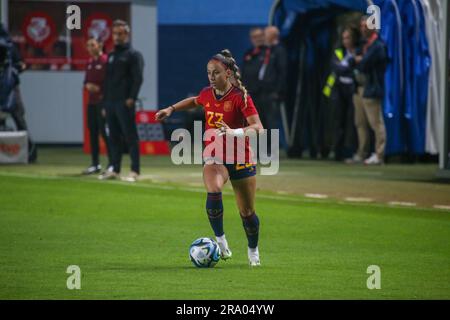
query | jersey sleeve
(201,98)
(250,109)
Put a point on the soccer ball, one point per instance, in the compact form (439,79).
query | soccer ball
(204,253)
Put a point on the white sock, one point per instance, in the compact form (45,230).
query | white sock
(253,251)
(222,239)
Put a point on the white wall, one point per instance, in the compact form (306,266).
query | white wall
(4,12)
(53,100)
(53,105)
(444,154)
(144,26)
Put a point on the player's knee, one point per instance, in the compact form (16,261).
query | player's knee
(246,212)
(214,189)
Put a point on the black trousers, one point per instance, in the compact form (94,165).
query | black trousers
(96,124)
(344,143)
(269,112)
(122,128)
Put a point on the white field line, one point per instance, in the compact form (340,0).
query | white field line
(348,200)
(195,175)
(195,184)
(357,199)
(402,203)
(152,177)
(316,196)
(440,207)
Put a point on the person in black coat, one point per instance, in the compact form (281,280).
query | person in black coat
(271,81)
(253,60)
(124,77)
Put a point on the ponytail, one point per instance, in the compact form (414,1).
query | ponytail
(230,62)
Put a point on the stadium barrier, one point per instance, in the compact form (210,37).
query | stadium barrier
(14,147)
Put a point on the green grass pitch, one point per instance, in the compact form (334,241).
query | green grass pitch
(131,242)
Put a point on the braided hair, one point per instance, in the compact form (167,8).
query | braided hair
(227,59)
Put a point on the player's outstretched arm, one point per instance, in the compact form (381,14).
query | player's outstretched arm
(186,104)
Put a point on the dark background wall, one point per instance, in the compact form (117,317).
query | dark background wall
(191,31)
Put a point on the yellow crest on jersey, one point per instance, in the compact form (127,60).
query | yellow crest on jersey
(228,106)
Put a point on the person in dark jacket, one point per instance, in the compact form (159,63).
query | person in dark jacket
(121,88)
(253,60)
(340,88)
(272,77)
(271,81)
(368,107)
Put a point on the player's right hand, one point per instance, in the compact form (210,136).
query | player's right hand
(163,114)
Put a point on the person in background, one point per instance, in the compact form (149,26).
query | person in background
(271,80)
(339,88)
(371,63)
(124,76)
(253,60)
(18,112)
(93,83)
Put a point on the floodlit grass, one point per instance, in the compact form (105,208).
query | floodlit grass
(131,241)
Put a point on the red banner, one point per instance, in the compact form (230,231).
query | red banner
(151,134)
(39,29)
(99,26)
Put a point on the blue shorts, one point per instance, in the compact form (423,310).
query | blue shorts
(241,171)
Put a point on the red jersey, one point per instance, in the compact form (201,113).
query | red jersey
(230,109)
(95,73)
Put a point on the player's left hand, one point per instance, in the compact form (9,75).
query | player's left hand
(223,128)
(163,114)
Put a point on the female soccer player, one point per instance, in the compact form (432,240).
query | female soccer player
(230,111)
